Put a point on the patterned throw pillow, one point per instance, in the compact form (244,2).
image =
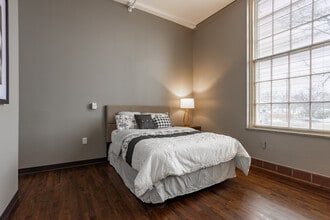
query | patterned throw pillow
(124,122)
(162,121)
(132,116)
(145,122)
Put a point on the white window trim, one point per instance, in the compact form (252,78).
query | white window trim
(251,89)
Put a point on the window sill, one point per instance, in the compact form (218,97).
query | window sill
(294,132)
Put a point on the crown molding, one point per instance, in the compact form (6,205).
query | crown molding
(159,13)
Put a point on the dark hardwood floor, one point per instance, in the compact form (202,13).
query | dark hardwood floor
(97,192)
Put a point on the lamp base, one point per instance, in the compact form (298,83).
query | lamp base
(186,118)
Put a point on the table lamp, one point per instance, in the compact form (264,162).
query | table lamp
(186,104)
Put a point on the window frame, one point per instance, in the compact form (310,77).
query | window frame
(251,80)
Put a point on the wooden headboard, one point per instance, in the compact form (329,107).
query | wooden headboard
(112,110)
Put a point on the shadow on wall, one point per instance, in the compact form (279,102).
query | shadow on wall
(204,115)
(177,85)
(208,76)
(218,94)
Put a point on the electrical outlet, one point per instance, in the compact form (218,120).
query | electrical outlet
(84,140)
(264,146)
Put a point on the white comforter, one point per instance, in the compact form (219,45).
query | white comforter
(158,158)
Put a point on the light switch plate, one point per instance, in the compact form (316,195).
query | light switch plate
(84,140)
(94,105)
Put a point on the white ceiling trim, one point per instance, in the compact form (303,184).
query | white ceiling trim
(159,13)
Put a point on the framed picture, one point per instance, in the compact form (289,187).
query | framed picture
(4,76)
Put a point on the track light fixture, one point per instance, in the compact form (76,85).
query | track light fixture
(131,5)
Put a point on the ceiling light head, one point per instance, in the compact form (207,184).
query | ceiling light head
(131,5)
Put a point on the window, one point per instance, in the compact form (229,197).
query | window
(290,65)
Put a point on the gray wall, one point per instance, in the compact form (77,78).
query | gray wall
(74,52)
(220,54)
(9,118)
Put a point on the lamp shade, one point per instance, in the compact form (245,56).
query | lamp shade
(187,103)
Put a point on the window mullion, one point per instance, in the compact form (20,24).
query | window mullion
(271,69)
(254,55)
(288,91)
(310,71)
(289,67)
(310,89)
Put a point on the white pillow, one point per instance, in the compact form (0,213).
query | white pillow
(131,117)
(128,113)
(124,122)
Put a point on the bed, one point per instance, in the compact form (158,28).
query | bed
(166,162)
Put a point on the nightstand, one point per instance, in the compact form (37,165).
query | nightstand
(197,127)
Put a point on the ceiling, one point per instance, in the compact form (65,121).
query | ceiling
(188,13)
